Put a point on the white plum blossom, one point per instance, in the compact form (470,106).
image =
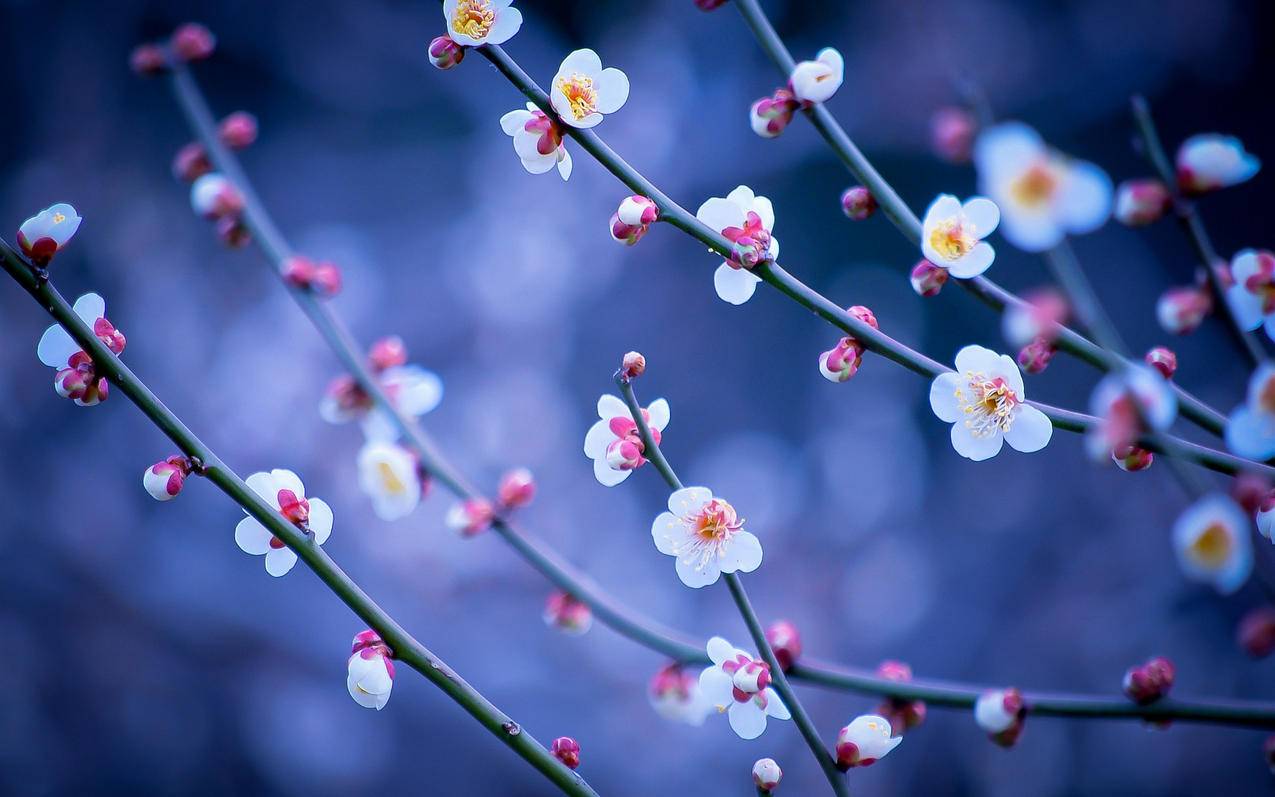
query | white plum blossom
(985,403)
(1212,543)
(1210,161)
(739,685)
(614,444)
(537,141)
(817,80)
(413,390)
(1266,516)
(675,695)
(1250,431)
(866,740)
(283,491)
(370,671)
(1043,194)
(746,220)
(1252,296)
(706,536)
(477,22)
(44,234)
(390,476)
(952,233)
(76,376)
(583,92)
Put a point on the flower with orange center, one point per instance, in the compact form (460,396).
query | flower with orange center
(477,22)
(706,536)
(583,92)
(1212,542)
(952,233)
(983,400)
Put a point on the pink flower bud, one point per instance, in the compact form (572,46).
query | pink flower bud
(625,453)
(709,5)
(1141,202)
(1131,458)
(766,775)
(1036,318)
(1163,360)
(864,741)
(627,234)
(858,203)
(751,678)
(1001,714)
(1251,491)
(164,479)
(294,507)
(842,361)
(770,115)
(863,314)
(193,42)
(110,337)
(1035,356)
(148,60)
(927,278)
(470,517)
(1180,310)
(952,134)
(904,715)
(327,279)
(238,130)
(568,613)
(445,53)
(233,232)
(191,162)
(371,670)
(785,641)
(638,211)
(1256,633)
(298,270)
(388,352)
(43,235)
(517,488)
(566,750)
(213,197)
(370,640)
(633,365)
(1149,682)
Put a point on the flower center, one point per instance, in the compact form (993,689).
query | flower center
(1035,186)
(580,94)
(389,479)
(708,533)
(1212,547)
(952,239)
(989,404)
(58,218)
(473,18)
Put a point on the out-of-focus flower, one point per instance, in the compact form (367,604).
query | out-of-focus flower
(842,361)
(866,740)
(476,22)
(1043,195)
(470,517)
(766,775)
(709,5)
(769,116)
(517,488)
(706,536)
(148,60)
(1250,431)
(1147,683)
(568,613)
(387,352)
(1128,404)
(1252,296)
(43,235)
(322,278)
(613,443)
(985,403)
(566,750)
(1256,633)
(165,479)
(952,234)
(238,130)
(370,677)
(858,203)
(232,232)
(1131,459)
(1266,516)
(537,141)
(77,378)
(633,365)
(1163,360)
(952,134)
(1210,161)
(1180,310)
(785,641)
(412,389)
(191,162)
(192,42)
(927,279)
(1250,491)
(675,695)
(739,685)
(903,715)
(212,196)
(1036,319)
(583,92)
(1036,356)
(1212,544)
(390,476)
(817,80)
(444,53)
(283,491)
(1001,714)
(746,220)
(1142,202)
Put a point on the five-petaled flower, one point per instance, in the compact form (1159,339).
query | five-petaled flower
(866,740)
(1250,431)
(1211,161)
(817,80)
(1252,296)
(1043,195)
(1001,714)
(984,401)
(43,235)
(739,685)
(370,669)
(1212,542)
(675,695)
(391,476)
(77,377)
(952,234)
(614,444)
(412,389)
(746,220)
(582,91)
(537,141)
(706,536)
(477,22)
(285,493)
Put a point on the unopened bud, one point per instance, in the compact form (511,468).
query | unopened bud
(214,197)
(164,479)
(638,211)
(233,232)
(1001,714)
(1035,356)
(517,488)
(470,517)
(865,741)
(1163,360)
(193,42)
(1180,310)
(627,234)
(327,279)
(191,162)
(766,775)
(1131,458)
(148,60)
(858,203)
(1149,682)
(1256,632)
(388,352)
(903,714)
(445,53)
(952,134)
(785,641)
(238,130)
(927,278)
(566,750)
(633,365)
(1141,202)
(568,613)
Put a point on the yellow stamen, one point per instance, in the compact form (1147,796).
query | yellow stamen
(1213,547)
(580,93)
(473,18)
(1035,186)
(952,239)
(390,480)
(58,218)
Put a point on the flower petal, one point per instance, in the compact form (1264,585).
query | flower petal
(1030,431)
(689,500)
(717,214)
(279,561)
(320,520)
(975,448)
(606,475)
(584,61)
(287,480)
(715,686)
(508,21)
(742,555)
(977,359)
(695,576)
(974,262)
(56,347)
(666,531)
(252,537)
(719,650)
(943,397)
(263,485)
(748,720)
(734,285)
(983,214)
(659,412)
(90,307)
(514,122)
(613,90)
(1251,434)
(775,706)
(1084,203)
(597,440)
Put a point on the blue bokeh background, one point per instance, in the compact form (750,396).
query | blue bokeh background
(145,654)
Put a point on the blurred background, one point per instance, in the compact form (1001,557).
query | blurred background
(147,654)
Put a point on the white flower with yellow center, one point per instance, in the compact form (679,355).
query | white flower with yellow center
(952,233)
(1043,195)
(389,476)
(477,22)
(984,401)
(1211,540)
(582,91)
(706,535)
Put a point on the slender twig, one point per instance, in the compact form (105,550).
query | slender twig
(907,223)
(405,647)
(652,451)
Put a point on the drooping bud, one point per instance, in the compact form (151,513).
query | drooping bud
(858,203)
(766,775)
(1131,458)
(638,211)
(865,741)
(1001,714)
(785,641)
(1141,202)
(633,365)
(213,197)
(165,479)
(148,60)
(566,750)
(952,134)
(445,53)
(193,42)
(1149,682)
(191,162)
(1256,632)
(1180,310)
(842,361)
(43,235)
(903,714)
(927,278)
(470,517)
(769,116)
(387,352)
(238,130)
(1163,360)
(627,234)
(568,613)
(517,488)
(371,671)
(1035,356)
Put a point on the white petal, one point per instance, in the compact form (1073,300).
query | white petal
(719,650)
(1007,368)
(606,475)
(666,531)
(716,687)
(1030,431)
(508,21)
(775,706)
(287,480)
(696,577)
(1031,229)
(263,485)
(90,307)
(56,347)
(743,197)
(613,90)
(742,555)
(717,214)
(944,206)
(564,163)
(1003,152)
(689,500)
(417,390)
(975,448)
(974,262)
(320,520)
(279,561)
(977,359)
(252,537)
(1245,306)
(943,397)
(747,719)
(1084,203)
(983,214)
(539,164)
(734,285)
(515,122)
(659,412)
(766,212)
(597,440)
(610,406)
(1251,434)
(585,62)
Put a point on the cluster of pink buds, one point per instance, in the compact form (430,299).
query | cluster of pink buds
(190,42)
(903,714)
(43,235)
(632,220)
(567,613)
(858,203)
(842,361)
(766,775)
(770,115)
(1149,682)
(1181,310)
(927,279)
(566,750)
(217,199)
(1163,360)
(517,488)
(470,517)
(785,641)
(321,278)
(444,53)
(952,133)
(1142,202)
(1001,714)
(165,479)
(1256,632)
(371,670)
